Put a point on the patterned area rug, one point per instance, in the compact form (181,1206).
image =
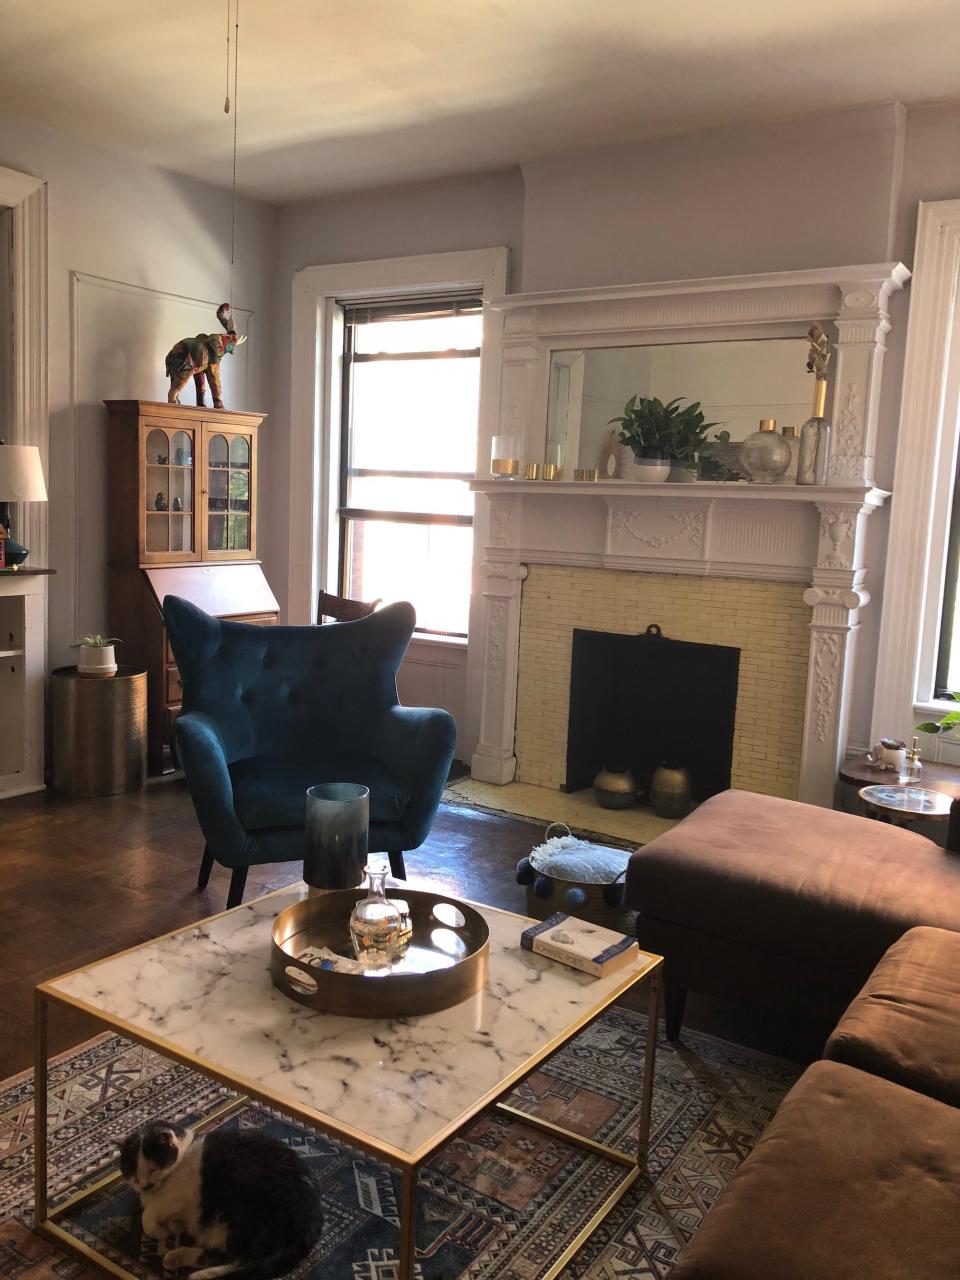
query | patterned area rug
(499,1203)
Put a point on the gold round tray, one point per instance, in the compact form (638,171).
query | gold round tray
(444,962)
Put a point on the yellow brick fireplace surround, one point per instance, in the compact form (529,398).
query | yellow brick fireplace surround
(767,621)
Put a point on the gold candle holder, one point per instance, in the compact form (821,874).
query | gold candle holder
(551,471)
(588,474)
(531,471)
(505,466)
(505,456)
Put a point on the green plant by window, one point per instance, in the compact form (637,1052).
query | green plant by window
(944,725)
(654,429)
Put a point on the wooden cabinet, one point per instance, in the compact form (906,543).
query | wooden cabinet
(184,483)
(183,521)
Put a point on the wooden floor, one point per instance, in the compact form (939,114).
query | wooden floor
(82,879)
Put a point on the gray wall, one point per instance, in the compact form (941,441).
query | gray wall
(827,190)
(117,219)
(806,193)
(473,212)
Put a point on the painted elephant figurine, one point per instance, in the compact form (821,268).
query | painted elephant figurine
(199,358)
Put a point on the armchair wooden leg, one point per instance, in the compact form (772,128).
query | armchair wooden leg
(237,882)
(397,869)
(674,999)
(206,866)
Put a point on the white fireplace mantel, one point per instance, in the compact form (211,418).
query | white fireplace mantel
(810,535)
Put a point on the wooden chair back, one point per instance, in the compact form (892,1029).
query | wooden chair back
(340,609)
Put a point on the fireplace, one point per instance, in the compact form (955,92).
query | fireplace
(639,701)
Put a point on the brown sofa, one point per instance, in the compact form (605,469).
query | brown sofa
(857,1177)
(754,898)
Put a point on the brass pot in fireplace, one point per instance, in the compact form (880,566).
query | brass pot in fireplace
(615,789)
(671,793)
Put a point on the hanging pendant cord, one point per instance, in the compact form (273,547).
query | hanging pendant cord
(233,231)
(226,99)
(228,105)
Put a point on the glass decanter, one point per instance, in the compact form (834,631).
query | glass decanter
(815,439)
(376,924)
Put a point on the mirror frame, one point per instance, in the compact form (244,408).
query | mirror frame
(773,305)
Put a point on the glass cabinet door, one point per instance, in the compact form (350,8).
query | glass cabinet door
(169,493)
(229,479)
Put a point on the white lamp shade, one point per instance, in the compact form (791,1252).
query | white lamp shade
(21,474)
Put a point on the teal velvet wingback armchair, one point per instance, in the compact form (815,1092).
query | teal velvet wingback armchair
(270,711)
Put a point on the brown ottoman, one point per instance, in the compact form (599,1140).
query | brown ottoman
(854,1179)
(767,900)
(905,1023)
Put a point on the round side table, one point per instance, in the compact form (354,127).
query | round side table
(859,772)
(99,733)
(902,805)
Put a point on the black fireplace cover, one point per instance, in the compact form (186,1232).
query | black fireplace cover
(638,701)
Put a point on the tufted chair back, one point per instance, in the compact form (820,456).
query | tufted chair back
(279,690)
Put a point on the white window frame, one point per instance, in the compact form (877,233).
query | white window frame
(316,355)
(927,445)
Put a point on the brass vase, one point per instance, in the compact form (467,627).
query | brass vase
(614,789)
(670,792)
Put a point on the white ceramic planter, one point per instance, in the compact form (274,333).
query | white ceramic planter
(682,472)
(98,661)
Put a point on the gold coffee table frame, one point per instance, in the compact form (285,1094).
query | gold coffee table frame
(407,1163)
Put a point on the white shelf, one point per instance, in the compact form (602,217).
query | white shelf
(710,490)
(11,653)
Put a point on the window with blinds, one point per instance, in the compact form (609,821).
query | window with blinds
(411,384)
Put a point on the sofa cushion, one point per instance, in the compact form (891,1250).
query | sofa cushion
(854,1177)
(270,791)
(795,879)
(905,1023)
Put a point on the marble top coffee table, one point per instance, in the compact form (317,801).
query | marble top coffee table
(398,1089)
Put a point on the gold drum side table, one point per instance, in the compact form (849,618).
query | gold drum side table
(99,732)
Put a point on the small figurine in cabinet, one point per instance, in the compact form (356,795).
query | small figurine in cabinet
(160,501)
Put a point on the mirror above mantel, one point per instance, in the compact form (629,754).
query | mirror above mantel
(540,339)
(737,383)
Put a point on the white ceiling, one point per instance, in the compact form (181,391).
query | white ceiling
(354,93)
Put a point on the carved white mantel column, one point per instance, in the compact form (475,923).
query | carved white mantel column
(836,598)
(494,759)
(862,323)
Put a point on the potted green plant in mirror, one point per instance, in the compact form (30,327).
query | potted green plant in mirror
(663,437)
(97,655)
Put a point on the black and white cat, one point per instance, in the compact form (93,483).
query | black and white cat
(241,1195)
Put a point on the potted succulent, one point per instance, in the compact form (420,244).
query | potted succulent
(97,655)
(663,437)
